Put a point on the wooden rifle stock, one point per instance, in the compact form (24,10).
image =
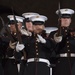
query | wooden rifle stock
(19,35)
(59,22)
(59,28)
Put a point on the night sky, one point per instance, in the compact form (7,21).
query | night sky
(43,7)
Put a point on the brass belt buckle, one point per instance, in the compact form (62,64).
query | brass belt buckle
(68,55)
(36,59)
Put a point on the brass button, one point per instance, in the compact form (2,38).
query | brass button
(36,50)
(67,45)
(36,43)
(36,59)
(36,46)
(68,50)
(67,41)
(14,33)
(65,30)
(37,54)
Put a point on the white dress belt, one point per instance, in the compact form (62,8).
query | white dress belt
(38,60)
(22,58)
(66,55)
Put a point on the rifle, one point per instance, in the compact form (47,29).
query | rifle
(7,30)
(18,34)
(59,22)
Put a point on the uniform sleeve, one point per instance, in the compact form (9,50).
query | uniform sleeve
(49,44)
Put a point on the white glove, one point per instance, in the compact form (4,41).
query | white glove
(57,38)
(19,47)
(41,39)
(25,32)
(12,45)
(29,33)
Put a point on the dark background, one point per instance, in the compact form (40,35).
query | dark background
(43,7)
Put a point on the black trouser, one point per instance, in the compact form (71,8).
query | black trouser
(1,69)
(11,67)
(65,66)
(36,68)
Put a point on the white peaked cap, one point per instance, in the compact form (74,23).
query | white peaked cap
(18,18)
(29,14)
(38,18)
(65,11)
(50,29)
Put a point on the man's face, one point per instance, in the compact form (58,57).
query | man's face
(65,22)
(38,28)
(13,28)
(29,26)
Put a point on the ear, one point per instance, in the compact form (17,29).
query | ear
(59,19)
